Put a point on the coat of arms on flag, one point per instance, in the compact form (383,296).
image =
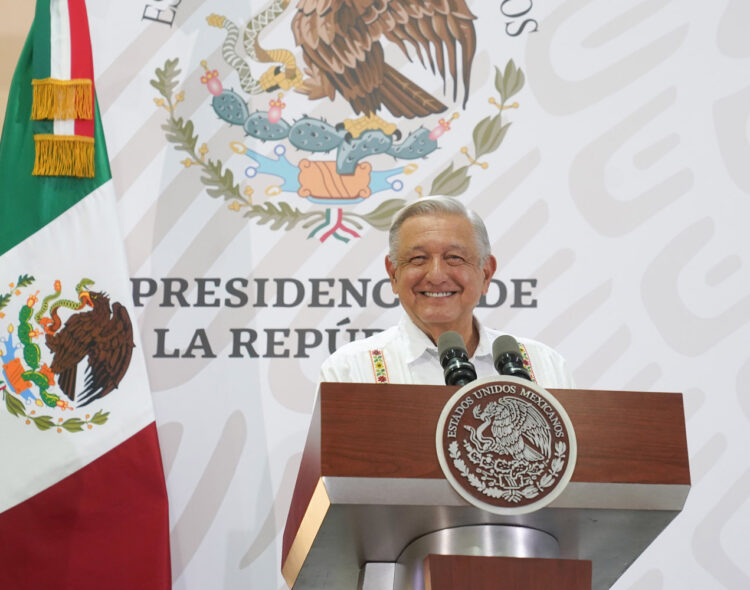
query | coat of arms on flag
(79,358)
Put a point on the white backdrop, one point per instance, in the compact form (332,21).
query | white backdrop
(622,187)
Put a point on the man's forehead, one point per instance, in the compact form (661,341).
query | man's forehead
(441,232)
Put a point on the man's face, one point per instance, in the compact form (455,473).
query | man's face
(438,277)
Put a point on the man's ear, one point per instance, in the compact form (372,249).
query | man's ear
(390,268)
(488,270)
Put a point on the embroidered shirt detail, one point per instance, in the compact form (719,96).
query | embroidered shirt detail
(379,368)
(527,362)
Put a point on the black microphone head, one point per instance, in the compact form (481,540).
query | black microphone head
(454,358)
(450,341)
(504,344)
(506,356)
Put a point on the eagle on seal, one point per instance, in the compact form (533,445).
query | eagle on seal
(104,336)
(518,430)
(341,44)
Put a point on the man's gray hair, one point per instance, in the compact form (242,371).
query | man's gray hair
(438,206)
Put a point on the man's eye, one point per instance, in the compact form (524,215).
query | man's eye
(454,260)
(417,260)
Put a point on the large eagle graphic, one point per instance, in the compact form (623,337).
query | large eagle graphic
(340,40)
(104,335)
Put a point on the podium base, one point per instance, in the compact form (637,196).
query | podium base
(477,540)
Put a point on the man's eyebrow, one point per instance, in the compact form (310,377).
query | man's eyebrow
(414,249)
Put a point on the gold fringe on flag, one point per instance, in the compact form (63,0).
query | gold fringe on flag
(62,99)
(64,155)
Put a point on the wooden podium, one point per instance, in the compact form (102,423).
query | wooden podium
(371,508)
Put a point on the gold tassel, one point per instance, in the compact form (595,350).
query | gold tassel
(62,99)
(64,155)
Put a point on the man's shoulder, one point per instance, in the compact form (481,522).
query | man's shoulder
(548,365)
(531,344)
(357,347)
(528,343)
(353,361)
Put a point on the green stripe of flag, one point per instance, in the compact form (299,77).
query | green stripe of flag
(41,63)
(40,30)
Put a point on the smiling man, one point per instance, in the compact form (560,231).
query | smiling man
(440,265)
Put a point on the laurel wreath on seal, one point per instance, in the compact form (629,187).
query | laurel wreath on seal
(529,492)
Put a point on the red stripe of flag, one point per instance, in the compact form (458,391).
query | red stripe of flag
(105,526)
(82,64)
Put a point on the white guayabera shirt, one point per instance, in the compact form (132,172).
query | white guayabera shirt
(404,354)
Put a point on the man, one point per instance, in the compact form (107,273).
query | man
(440,265)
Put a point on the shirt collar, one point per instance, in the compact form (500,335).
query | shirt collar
(484,348)
(418,343)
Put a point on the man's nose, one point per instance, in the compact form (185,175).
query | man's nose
(437,268)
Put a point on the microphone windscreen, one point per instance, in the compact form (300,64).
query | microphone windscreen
(448,341)
(504,344)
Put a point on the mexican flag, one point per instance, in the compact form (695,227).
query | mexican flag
(83,500)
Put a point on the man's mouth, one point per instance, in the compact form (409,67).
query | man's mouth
(437,293)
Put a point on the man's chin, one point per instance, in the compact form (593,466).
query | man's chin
(439,323)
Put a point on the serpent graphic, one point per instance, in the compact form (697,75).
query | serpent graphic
(53,323)
(274,78)
(45,302)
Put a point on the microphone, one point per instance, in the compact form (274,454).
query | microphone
(455,360)
(506,356)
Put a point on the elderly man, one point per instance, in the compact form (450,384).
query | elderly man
(440,265)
